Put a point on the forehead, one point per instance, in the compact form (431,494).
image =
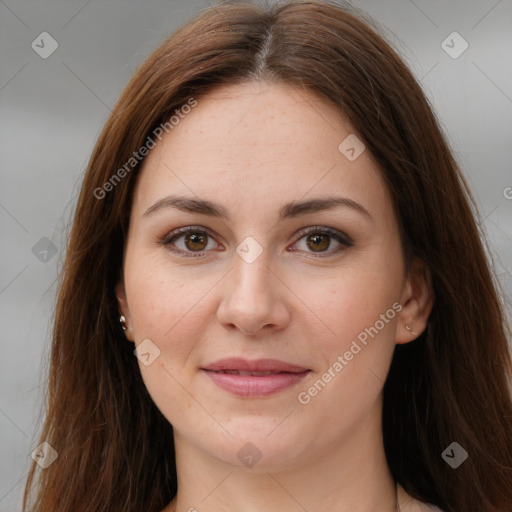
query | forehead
(260,145)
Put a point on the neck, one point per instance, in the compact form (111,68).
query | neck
(352,476)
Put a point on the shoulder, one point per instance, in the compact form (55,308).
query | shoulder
(409,504)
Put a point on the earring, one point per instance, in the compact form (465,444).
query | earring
(410,330)
(122,320)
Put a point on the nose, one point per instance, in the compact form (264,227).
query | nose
(253,298)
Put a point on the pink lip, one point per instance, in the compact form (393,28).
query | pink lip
(283,375)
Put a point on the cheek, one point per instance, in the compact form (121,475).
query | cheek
(356,361)
(357,307)
(166,306)
(350,299)
(160,293)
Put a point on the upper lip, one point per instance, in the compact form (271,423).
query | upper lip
(258,365)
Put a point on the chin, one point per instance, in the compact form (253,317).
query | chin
(259,448)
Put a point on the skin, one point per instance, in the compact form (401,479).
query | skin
(252,148)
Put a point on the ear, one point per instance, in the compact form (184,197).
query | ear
(123,309)
(417,301)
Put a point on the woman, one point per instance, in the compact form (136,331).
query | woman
(275,296)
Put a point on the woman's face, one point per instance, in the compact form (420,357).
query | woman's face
(293,256)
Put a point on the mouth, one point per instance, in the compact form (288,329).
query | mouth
(253,374)
(258,378)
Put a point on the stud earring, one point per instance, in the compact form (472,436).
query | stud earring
(122,320)
(410,330)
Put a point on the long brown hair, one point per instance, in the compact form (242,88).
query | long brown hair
(115,449)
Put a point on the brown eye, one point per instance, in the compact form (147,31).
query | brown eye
(318,243)
(196,241)
(319,240)
(189,241)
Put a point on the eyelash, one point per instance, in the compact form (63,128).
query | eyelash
(344,240)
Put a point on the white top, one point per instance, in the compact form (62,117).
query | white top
(409,504)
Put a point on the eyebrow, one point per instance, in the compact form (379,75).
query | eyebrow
(288,211)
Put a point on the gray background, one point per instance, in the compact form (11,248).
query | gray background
(52,110)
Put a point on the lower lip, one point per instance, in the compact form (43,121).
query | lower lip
(254,386)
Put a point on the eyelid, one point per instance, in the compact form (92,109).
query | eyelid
(178,233)
(341,237)
(183,231)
